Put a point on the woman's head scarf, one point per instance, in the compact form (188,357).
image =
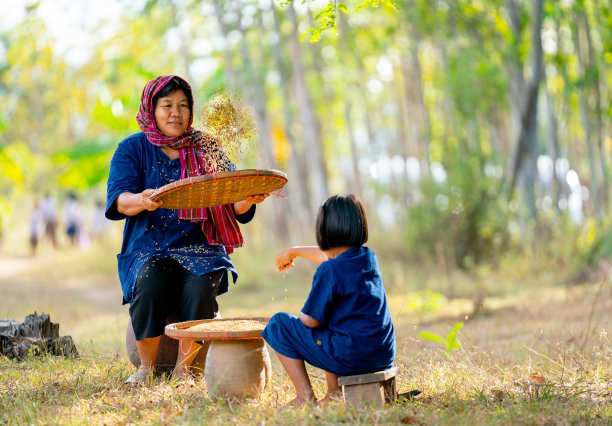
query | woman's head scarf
(199,154)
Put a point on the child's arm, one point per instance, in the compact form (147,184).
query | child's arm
(308,321)
(286,258)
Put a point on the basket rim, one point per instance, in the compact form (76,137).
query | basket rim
(202,191)
(232,174)
(180,330)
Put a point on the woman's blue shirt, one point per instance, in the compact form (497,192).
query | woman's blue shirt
(137,165)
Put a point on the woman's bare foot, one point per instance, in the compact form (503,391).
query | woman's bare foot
(334,396)
(141,376)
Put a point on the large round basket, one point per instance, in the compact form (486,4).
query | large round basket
(237,362)
(184,331)
(216,189)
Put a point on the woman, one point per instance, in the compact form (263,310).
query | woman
(170,260)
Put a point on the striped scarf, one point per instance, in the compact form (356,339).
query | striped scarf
(199,154)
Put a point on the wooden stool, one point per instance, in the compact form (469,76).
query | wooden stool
(376,389)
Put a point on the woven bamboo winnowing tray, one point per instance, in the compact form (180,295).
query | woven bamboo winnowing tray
(183,331)
(216,189)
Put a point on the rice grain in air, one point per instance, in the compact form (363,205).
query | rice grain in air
(229,325)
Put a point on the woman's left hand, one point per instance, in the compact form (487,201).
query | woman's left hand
(243,206)
(256,199)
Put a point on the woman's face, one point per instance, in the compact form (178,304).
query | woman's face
(172,114)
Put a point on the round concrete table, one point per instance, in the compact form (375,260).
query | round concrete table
(237,362)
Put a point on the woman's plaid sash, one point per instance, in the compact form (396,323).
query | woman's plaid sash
(199,154)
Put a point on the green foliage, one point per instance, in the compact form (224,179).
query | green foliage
(375,3)
(450,342)
(325,19)
(594,243)
(476,83)
(462,218)
(84,165)
(424,301)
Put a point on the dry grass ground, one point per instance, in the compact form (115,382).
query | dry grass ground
(533,350)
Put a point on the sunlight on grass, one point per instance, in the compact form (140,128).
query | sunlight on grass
(528,353)
(470,387)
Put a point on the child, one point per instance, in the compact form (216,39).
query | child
(345,326)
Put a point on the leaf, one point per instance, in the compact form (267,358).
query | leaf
(536,377)
(431,336)
(451,339)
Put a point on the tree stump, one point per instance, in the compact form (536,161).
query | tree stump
(36,336)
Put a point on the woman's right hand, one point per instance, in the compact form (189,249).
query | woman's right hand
(147,203)
(131,204)
(285,260)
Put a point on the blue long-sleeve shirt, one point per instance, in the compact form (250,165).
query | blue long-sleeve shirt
(136,166)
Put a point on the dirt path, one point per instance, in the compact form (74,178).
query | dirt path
(87,308)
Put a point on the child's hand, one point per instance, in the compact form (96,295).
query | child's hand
(285,260)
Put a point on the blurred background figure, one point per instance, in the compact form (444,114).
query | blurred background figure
(73,215)
(49,217)
(99,223)
(36,222)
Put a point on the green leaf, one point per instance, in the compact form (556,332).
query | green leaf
(315,36)
(451,339)
(431,336)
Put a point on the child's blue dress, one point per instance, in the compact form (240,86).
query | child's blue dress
(356,335)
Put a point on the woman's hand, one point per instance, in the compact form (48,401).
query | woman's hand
(147,203)
(285,260)
(256,199)
(243,206)
(131,204)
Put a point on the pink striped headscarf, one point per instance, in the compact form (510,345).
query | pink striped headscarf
(199,154)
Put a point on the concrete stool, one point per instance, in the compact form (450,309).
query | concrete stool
(376,389)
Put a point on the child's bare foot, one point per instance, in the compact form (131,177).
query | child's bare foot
(300,402)
(182,375)
(335,396)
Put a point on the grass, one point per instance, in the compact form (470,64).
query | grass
(467,388)
(533,350)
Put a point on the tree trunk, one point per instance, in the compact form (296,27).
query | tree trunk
(227,51)
(413,86)
(601,152)
(353,183)
(300,206)
(184,54)
(553,144)
(524,159)
(586,121)
(317,176)
(257,97)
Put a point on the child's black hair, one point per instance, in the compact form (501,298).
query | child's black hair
(341,221)
(174,84)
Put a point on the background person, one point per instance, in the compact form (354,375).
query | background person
(73,217)
(49,217)
(35,226)
(170,260)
